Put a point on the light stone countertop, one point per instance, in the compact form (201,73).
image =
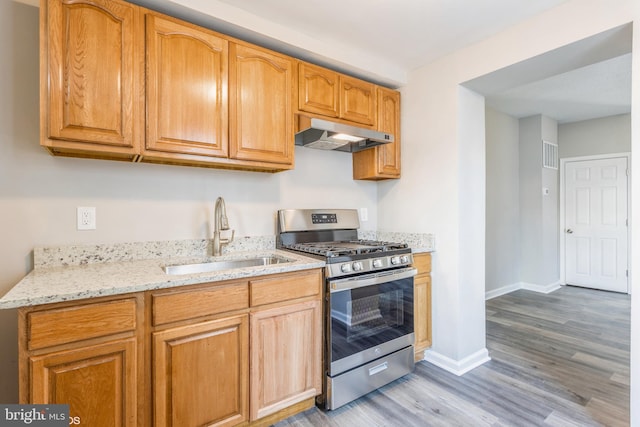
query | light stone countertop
(76,272)
(46,285)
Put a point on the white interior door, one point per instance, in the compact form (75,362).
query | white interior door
(596,223)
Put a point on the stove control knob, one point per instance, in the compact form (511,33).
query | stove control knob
(395,260)
(404,259)
(357,266)
(345,268)
(377,263)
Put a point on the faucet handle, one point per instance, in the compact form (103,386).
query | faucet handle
(229,240)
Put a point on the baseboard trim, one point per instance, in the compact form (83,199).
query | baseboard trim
(543,289)
(502,291)
(457,367)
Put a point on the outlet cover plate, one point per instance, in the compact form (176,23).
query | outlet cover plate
(86,217)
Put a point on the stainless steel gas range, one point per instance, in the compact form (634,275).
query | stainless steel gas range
(369,300)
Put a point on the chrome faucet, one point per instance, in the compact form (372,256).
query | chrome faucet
(221,223)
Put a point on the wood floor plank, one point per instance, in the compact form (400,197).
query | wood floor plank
(559,359)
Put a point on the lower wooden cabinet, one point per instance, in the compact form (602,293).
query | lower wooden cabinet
(200,374)
(422,304)
(286,356)
(98,382)
(86,354)
(240,352)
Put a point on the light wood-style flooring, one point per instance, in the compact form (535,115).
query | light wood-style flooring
(560,359)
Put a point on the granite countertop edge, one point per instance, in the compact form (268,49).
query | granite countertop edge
(68,283)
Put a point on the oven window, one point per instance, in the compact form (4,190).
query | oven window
(366,317)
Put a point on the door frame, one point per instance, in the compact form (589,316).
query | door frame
(563,162)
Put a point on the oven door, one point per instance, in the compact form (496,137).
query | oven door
(368,317)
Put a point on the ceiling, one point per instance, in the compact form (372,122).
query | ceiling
(383,40)
(411,32)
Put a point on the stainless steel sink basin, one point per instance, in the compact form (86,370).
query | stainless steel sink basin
(205,267)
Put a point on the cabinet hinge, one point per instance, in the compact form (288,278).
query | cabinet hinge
(627,272)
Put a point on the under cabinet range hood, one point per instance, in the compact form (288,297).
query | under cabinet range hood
(327,135)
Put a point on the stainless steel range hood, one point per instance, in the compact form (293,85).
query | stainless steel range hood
(327,135)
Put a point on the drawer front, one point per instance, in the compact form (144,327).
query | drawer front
(80,322)
(174,306)
(422,262)
(285,287)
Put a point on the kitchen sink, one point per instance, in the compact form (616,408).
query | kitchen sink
(206,267)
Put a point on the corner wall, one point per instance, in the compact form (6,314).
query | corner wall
(502,242)
(427,198)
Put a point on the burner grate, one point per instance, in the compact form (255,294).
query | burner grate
(346,248)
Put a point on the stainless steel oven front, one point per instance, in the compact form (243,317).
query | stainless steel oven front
(369,333)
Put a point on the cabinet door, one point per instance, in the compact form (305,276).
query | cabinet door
(200,374)
(285,356)
(383,161)
(91,79)
(187,71)
(261,105)
(422,313)
(318,90)
(98,382)
(358,100)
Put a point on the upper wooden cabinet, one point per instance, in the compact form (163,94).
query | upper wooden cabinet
(261,125)
(107,62)
(90,78)
(187,72)
(383,161)
(318,90)
(358,100)
(325,92)
(121,82)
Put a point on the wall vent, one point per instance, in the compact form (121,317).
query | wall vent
(549,155)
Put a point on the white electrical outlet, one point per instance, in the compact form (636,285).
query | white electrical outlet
(364,214)
(86,218)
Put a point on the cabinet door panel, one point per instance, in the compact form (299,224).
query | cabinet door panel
(358,102)
(200,374)
(383,161)
(98,382)
(285,356)
(261,107)
(422,312)
(318,90)
(91,71)
(389,121)
(186,89)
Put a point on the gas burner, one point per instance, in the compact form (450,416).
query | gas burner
(346,248)
(332,235)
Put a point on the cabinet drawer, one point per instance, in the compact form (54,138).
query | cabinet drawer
(173,306)
(80,322)
(422,262)
(285,287)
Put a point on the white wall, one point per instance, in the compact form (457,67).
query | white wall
(538,211)
(598,136)
(502,244)
(550,238)
(135,202)
(531,226)
(427,198)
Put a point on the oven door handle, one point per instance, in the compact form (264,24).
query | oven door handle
(371,279)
